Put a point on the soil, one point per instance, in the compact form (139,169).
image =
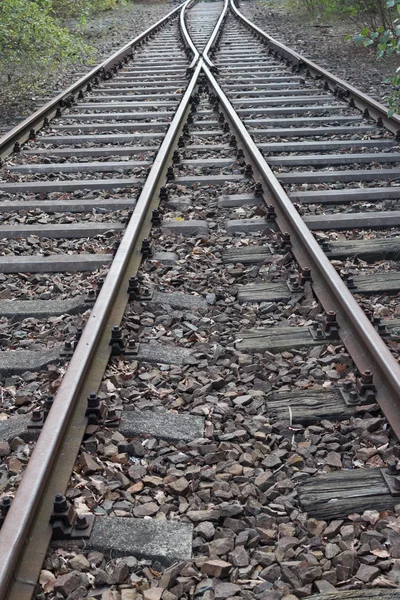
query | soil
(323,41)
(105,32)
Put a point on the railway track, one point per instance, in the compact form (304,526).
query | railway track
(199,259)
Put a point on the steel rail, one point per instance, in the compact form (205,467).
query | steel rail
(17,528)
(21,132)
(214,36)
(365,345)
(187,39)
(362,101)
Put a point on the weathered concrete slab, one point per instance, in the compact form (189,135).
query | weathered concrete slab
(166,426)
(42,308)
(189,227)
(255,225)
(231,201)
(164,541)
(166,258)
(17,427)
(179,301)
(182,204)
(166,355)
(19,361)
(56,263)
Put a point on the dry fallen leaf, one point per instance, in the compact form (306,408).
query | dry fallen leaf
(47,581)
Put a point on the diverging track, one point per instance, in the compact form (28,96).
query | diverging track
(209,382)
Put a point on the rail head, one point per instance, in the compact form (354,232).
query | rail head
(341,88)
(365,345)
(21,132)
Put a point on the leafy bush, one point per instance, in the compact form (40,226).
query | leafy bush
(373,13)
(387,40)
(32,43)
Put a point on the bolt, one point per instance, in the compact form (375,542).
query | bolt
(391,466)
(5,504)
(134,287)
(36,415)
(81,522)
(396,483)
(60,503)
(319,332)
(93,401)
(366,377)
(347,385)
(353,397)
(176,158)
(170,174)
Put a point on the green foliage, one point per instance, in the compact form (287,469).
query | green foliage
(32,42)
(387,42)
(373,13)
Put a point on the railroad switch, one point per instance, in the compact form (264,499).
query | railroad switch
(137,292)
(327,329)
(67,524)
(5,504)
(117,341)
